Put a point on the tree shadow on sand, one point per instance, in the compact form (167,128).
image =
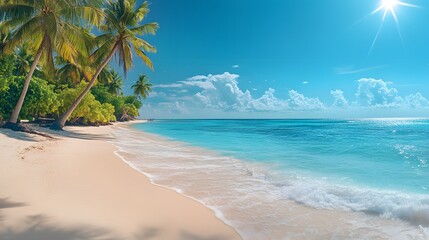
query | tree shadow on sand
(39,228)
(6,203)
(191,236)
(148,234)
(86,136)
(18,135)
(74,134)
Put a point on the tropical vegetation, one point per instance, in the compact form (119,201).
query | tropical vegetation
(55,58)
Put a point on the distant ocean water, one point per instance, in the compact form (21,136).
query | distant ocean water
(269,178)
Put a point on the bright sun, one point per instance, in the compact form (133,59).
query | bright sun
(389,4)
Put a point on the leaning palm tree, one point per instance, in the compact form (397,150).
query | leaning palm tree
(121,30)
(141,90)
(47,26)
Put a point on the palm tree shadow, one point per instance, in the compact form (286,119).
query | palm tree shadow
(147,234)
(86,136)
(191,236)
(38,227)
(18,135)
(77,135)
(5,203)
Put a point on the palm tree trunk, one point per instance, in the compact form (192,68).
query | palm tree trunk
(125,113)
(60,123)
(14,116)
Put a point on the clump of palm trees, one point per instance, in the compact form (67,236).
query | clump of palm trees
(61,32)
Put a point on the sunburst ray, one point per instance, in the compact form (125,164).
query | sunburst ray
(388,6)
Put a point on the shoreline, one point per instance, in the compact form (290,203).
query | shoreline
(306,221)
(218,213)
(70,190)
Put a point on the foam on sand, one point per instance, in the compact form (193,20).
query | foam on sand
(261,204)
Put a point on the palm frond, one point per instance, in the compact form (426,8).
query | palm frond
(30,29)
(144,57)
(149,28)
(78,14)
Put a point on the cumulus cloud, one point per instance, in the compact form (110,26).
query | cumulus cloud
(268,102)
(339,99)
(221,93)
(416,100)
(376,92)
(300,102)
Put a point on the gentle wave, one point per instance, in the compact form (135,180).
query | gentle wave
(256,198)
(413,208)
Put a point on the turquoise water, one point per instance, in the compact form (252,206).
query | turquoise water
(371,166)
(383,153)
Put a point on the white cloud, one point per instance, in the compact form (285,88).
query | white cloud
(235,66)
(200,84)
(352,70)
(198,77)
(300,102)
(221,92)
(305,82)
(268,102)
(339,99)
(173,85)
(416,100)
(376,92)
(220,95)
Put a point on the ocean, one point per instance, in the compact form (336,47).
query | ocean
(294,179)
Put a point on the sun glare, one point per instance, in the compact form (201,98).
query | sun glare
(388,6)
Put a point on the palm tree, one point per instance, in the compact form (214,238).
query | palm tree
(121,30)
(73,74)
(68,73)
(114,84)
(81,69)
(47,26)
(23,59)
(141,90)
(142,87)
(4,38)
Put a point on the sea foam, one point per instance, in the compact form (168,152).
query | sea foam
(264,202)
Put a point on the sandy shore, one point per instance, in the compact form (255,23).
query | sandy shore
(75,187)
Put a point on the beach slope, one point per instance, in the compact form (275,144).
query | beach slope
(75,187)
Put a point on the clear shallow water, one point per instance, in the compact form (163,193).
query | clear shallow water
(374,169)
(389,154)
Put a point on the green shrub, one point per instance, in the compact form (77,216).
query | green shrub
(89,111)
(40,101)
(122,104)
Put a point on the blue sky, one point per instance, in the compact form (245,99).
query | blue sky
(287,59)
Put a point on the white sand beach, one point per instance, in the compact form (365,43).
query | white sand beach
(75,187)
